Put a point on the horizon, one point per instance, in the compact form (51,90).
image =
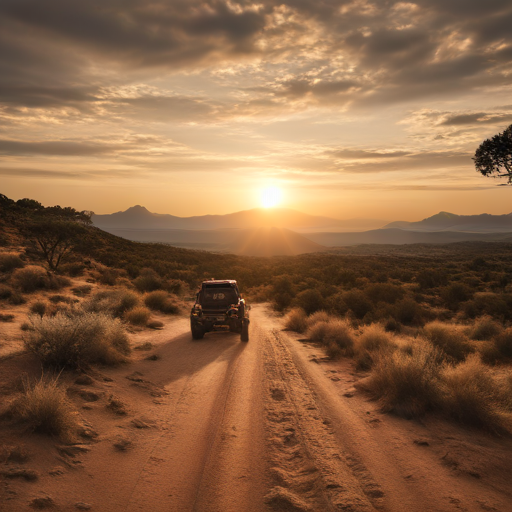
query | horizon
(343,110)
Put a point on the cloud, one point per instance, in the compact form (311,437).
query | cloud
(56,148)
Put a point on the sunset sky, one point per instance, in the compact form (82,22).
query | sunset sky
(351,109)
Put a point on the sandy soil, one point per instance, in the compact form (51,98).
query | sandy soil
(218,425)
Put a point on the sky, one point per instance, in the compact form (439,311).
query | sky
(351,109)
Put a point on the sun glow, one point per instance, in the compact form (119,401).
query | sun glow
(270,197)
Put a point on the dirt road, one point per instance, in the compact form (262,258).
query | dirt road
(218,425)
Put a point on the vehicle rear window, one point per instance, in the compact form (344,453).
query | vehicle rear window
(218,296)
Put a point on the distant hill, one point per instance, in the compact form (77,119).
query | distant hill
(402,236)
(139,217)
(444,221)
(267,241)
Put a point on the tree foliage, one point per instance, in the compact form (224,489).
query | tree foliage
(494,156)
(54,238)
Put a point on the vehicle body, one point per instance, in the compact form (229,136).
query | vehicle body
(219,305)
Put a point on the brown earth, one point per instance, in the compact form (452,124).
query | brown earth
(218,425)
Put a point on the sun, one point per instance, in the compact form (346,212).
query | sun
(270,197)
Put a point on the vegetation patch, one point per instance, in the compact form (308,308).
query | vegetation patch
(77,339)
(44,407)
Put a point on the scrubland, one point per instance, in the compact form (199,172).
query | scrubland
(417,318)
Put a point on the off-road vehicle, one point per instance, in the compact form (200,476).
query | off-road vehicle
(219,305)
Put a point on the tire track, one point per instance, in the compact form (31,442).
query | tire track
(310,472)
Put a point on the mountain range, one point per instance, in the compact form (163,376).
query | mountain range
(139,217)
(282,231)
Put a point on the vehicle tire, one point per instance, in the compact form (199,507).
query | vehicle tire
(197,332)
(244,336)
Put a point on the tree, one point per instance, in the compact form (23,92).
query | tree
(54,238)
(494,156)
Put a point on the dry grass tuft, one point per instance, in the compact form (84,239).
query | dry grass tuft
(138,316)
(407,382)
(499,350)
(32,278)
(78,339)
(296,320)
(450,339)
(339,333)
(316,332)
(115,302)
(485,328)
(318,316)
(44,407)
(373,340)
(476,398)
(162,301)
(10,261)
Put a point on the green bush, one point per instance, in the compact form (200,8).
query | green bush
(78,339)
(357,302)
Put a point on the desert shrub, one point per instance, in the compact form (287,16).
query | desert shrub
(30,278)
(44,407)
(455,293)
(499,350)
(6,317)
(138,316)
(449,339)
(176,286)
(339,333)
(160,300)
(5,291)
(10,261)
(357,302)
(148,281)
(384,292)
(114,302)
(317,331)
(318,316)
(296,320)
(310,300)
(488,303)
(56,299)
(475,398)
(108,276)
(374,338)
(485,328)
(408,312)
(430,278)
(406,382)
(82,290)
(72,269)
(16,298)
(77,339)
(38,307)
